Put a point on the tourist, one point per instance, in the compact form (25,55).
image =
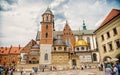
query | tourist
(32,71)
(10,72)
(82,67)
(108,70)
(101,67)
(21,71)
(118,67)
(115,70)
(43,69)
(1,70)
(36,70)
(24,72)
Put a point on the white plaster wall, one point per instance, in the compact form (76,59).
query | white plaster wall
(45,48)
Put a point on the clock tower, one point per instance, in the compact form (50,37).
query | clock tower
(46,38)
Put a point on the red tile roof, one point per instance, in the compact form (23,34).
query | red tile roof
(11,50)
(15,50)
(4,50)
(110,16)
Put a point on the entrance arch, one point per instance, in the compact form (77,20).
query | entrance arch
(74,62)
(94,57)
(106,59)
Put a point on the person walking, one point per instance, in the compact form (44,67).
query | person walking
(32,71)
(1,70)
(115,70)
(21,70)
(108,70)
(118,67)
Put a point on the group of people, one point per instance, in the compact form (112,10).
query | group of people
(112,69)
(33,72)
(7,70)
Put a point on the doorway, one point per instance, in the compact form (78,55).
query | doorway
(74,63)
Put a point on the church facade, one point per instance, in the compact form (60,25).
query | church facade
(62,49)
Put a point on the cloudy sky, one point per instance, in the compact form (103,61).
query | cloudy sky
(20,19)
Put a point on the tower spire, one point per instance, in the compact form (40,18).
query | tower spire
(79,35)
(66,22)
(84,26)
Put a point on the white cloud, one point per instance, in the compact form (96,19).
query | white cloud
(19,22)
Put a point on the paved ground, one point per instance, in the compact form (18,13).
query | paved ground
(69,72)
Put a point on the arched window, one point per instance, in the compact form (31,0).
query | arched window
(68,42)
(46,26)
(54,48)
(46,35)
(47,18)
(64,48)
(94,57)
(46,56)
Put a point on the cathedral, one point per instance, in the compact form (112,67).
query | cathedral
(65,49)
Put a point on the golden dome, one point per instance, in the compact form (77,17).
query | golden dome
(81,43)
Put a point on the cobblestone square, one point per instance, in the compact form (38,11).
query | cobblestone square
(69,72)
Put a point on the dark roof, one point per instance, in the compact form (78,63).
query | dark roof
(36,46)
(48,11)
(59,42)
(85,32)
(75,32)
(38,36)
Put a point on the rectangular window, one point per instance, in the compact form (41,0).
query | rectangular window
(104,48)
(102,37)
(114,31)
(117,43)
(110,46)
(108,34)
